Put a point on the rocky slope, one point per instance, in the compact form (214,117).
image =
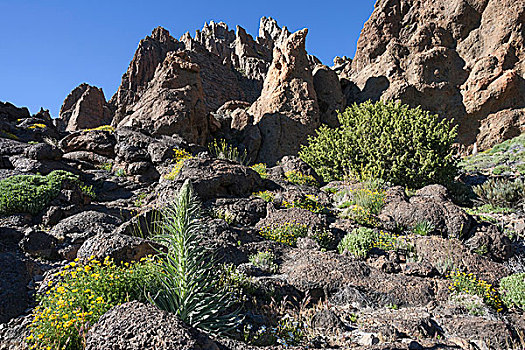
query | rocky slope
(266,95)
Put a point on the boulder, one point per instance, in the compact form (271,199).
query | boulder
(14,333)
(43,151)
(459,59)
(287,110)
(430,204)
(329,95)
(173,102)
(84,108)
(14,277)
(489,240)
(212,178)
(96,141)
(137,326)
(39,244)
(120,248)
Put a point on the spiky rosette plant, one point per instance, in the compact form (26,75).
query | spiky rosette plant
(190,286)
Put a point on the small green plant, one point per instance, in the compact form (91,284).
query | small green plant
(266,196)
(265,261)
(31,193)
(405,146)
(190,285)
(260,168)
(325,238)
(88,191)
(309,202)
(501,192)
(286,233)
(179,159)
(106,166)
(139,201)
(37,126)
(84,293)
(423,228)
(222,150)
(500,169)
(298,178)
(371,200)
(225,215)
(120,172)
(462,282)
(512,290)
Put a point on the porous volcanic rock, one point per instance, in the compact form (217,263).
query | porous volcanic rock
(85,107)
(136,326)
(287,110)
(173,102)
(460,59)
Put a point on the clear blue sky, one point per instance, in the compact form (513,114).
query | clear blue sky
(47,47)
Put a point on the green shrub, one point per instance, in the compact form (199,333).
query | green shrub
(260,168)
(402,145)
(298,178)
(501,192)
(512,290)
(190,284)
(423,228)
(358,243)
(31,193)
(222,150)
(106,128)
(500,169)
(372,201)
(462,282)
(266,196)
(265,261)
(84,293)
(325,238)
(286,233)
(88,191)
(106,166)
(362,240)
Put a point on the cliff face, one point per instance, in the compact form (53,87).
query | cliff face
(462,59)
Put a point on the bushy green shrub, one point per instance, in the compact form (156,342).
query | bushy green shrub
(309,202)
(190,285)
(266,196)
(85,292)
(501,192)
(423,228)
(405,146)
(260,168)
(31,193)
(512,290)
(362,240)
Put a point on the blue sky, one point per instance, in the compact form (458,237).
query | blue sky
(47,47)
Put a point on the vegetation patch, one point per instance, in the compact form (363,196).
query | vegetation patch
(286,233)
(85,292)
(31,193)
(501,192)
(106,128)
(362,240)
(260,168)
(266,196)
(462,282)
(309,202)
(179,159)
(405,146)
(265,261)
(220,149)
(512,290)
(298,178)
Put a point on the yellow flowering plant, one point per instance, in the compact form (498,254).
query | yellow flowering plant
(470,284)
(299,178)
(286,233)
(309,202)
(83,294)
(180,157)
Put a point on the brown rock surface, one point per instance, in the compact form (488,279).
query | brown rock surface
(173,102)
(150,53)
(85,107)
(461,59)
(287,110)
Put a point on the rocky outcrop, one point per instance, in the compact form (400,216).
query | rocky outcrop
(150,53)
(84,108)
(173,102)
(460,59)
(329,94)
(136,326)
(287,110)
